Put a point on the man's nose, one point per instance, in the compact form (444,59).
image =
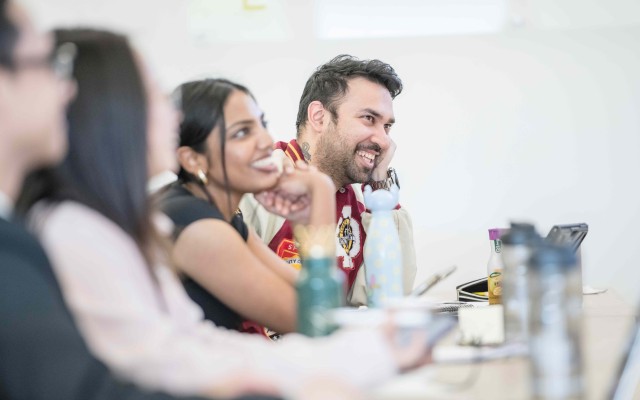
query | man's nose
(380,137)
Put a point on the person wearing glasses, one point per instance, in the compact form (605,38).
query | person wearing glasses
(42,353)
(97,224)
(344,124)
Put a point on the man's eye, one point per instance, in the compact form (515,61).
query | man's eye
(265,123)
(369,118)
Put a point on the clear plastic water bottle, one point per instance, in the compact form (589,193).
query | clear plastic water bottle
(517,247)
(555,320)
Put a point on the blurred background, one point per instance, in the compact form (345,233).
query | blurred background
(513,110)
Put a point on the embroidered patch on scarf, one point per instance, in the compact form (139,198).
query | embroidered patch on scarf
(348,238)
(288,251)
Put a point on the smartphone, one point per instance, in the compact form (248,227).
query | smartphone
(439,327)
(435,325)
(408,322)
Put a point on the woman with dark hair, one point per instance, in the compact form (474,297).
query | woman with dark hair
(96,224)
(225,151)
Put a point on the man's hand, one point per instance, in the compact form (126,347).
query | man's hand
(380,171)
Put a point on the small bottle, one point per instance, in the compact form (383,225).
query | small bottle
(382,251)
(517,247)
(555,320)
(320,289)
(495,267)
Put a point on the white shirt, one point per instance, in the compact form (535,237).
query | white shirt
(6,206)
(121,313)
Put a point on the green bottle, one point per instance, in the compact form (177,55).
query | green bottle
(320,289)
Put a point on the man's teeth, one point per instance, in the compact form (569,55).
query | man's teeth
(366,155)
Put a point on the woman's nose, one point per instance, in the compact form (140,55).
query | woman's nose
(265,141)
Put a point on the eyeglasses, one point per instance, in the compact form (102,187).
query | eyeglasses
(176,98)
(60,61)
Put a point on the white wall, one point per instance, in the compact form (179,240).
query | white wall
(539,123)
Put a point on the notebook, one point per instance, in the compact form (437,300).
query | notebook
(474,291)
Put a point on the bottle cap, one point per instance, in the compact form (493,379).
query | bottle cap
(521,234)
(495,233)
(316,251)
(547,256)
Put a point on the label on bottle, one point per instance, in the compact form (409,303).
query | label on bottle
(497,246)
(495,287)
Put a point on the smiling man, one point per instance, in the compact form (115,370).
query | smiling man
(343,127)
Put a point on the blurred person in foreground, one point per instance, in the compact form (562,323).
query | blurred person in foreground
(42,354)
(97,225)
(343,128)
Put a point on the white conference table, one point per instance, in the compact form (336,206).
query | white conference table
(607,325)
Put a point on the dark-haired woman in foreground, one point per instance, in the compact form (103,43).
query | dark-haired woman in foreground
(94,219)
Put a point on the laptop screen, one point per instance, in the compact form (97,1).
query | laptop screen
(568,235)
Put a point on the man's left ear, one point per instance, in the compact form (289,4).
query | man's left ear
(316,114)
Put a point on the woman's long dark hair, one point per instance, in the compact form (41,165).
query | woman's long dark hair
(202,104)
(106,166)
(8,36)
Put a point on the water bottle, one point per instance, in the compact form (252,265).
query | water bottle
(320,289)
(555,321)
(517,247)
(382,252)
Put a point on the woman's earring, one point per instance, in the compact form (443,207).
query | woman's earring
(203,177)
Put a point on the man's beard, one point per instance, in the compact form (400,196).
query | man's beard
(335,157)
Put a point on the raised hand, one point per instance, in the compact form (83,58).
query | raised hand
(380,171)
(291,198)
(295,209)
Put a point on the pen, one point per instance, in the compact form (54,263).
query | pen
(432,281)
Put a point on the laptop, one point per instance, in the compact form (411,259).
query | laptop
(570,235)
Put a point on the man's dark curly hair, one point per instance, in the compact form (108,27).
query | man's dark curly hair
(329,83)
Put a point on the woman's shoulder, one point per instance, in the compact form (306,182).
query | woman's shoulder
(67,213)
(73,222)
(184,208)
